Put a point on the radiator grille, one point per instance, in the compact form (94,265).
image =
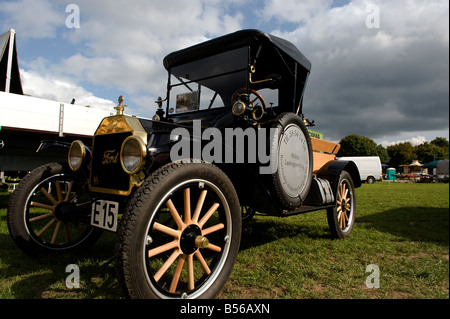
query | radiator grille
(107,174)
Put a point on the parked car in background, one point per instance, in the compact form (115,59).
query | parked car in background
(441,172)
(369,167)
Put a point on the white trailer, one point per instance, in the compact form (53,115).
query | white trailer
(25,121)
(369,167)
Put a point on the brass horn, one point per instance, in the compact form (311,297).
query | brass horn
(258,112)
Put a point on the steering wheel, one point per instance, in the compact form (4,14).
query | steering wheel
(253,97)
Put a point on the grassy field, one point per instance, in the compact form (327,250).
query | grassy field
(401,228)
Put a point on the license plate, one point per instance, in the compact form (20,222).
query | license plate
(104,214)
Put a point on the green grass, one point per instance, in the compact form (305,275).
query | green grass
(402,228)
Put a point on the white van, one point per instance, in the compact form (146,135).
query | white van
(369,167)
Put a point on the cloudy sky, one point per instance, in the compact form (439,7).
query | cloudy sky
(380,69)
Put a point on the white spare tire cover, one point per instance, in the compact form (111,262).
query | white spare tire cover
(293,177)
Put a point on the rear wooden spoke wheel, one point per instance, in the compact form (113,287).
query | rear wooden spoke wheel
(343,207)
(341,218)
(180,234)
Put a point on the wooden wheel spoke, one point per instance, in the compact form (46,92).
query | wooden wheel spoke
(46,226)
(199,206)
(163,248)
(202,262)
(44,206)
(58,191)
(37,218)
(49,197)
(166,230)
(190,266)
(214,248)
(167,264)
(67,233)
(345,194)
(177,274)
(208,215)
(55,232)
(69,191)
(212,229)
(344,220)
(187,206)
(173,211)
(342,189)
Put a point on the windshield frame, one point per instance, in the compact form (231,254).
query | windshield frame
(231,64)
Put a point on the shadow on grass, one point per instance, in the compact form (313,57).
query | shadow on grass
(263,230)
(420,224)
(24,277)
(44,277)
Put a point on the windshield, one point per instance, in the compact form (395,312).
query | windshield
(208,82)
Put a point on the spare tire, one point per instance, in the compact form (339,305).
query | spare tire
(292,180)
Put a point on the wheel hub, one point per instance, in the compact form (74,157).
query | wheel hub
(344,206)
(67,212)
(191,236)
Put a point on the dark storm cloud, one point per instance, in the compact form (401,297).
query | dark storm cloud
(377,95)
(377,82)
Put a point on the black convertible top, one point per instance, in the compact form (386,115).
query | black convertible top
(231,41)
(233,56)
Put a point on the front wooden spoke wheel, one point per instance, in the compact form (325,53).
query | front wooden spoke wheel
(179,234)
(186,239)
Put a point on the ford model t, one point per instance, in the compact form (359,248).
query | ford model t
(229,139)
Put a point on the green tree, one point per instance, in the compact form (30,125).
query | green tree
(383,154)
(426,152)
(440,142)
(400,154)
(442,151)
(356,145)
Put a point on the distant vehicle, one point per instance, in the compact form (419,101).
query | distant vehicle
(369,167)
(441,171)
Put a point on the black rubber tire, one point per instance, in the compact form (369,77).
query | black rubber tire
(283,122)
(345,201)
(137,235)
(25,232)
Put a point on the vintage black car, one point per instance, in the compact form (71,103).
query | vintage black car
(229,139)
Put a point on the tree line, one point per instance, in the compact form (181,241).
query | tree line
(397,154)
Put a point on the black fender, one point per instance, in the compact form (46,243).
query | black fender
(52,144)
(64,147)
(333,169)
